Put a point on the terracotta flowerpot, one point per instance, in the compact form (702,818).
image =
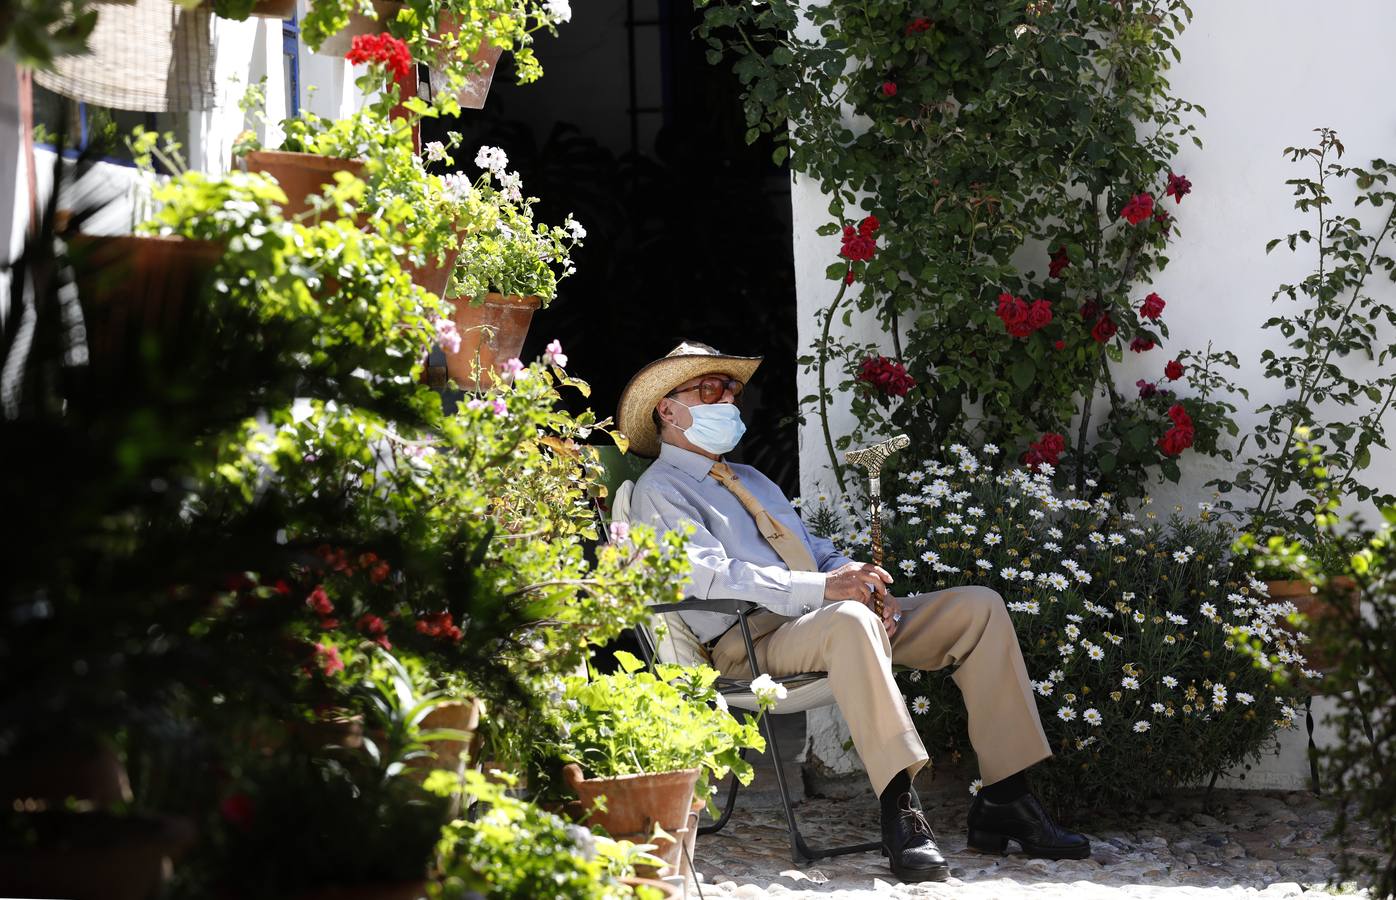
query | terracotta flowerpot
(301,175)
(485,59)
(490,333)
(405,890)
(637,803)
(136,287)
(433,276)
(690,840)
(94,856)
(339,43)
(53,774)
(1314,606)
(451,755)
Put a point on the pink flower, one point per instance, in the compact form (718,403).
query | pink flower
(500,408)
(554,356)
(328,657)
(620,532)
(512,370)
(319,601)
(447,335)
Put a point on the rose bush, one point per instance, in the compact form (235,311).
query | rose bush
(1130,627)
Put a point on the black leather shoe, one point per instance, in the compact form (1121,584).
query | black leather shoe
(909,844)
(993,825)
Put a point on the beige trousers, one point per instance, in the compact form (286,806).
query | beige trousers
(966,627)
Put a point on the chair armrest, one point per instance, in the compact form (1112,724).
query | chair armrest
(729,605)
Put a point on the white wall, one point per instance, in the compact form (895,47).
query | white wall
(1267,72)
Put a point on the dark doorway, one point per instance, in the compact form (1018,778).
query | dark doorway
(689,232)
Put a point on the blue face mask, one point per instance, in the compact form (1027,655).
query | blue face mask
(716,428)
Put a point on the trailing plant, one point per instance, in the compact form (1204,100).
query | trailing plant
(1012,161)
(1131,628)
(1330,398)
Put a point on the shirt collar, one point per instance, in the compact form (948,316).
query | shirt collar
(694,465)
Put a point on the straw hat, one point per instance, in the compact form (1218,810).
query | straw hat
(688,360)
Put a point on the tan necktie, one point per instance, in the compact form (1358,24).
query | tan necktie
(789,546)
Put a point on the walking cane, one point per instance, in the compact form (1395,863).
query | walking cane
(872,458)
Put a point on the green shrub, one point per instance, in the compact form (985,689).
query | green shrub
(1130,628)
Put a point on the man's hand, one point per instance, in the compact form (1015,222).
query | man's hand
(865,583)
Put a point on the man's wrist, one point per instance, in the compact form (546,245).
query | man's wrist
(807,589)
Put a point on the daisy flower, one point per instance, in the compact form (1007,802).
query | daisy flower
(1066,714)
(1141,726)
(975,786)
(1092,716)
(1245,698)
(920,706)
(1095,653)
(1129,682)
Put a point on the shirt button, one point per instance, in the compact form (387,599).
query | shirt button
(805,609)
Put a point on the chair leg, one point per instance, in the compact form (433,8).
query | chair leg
(801,852)
(731,804)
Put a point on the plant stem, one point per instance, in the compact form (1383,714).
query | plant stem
(823,392)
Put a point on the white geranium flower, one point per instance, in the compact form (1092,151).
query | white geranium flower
(721,702)
(558,10)
(492,159)
(434,151)
(574,228)
(767,688)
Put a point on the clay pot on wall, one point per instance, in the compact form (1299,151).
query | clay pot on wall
(485,59)
(339,43)
(274,9)
(490,333)
(301,175)
(637,803)
(1315,606)
(451,754)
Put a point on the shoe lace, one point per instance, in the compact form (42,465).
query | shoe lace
(917,820)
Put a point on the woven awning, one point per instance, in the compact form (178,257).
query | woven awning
(148,56)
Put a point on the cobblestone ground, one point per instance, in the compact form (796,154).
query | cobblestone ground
(1243,844)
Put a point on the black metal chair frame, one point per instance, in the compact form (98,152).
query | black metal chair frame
(800,851)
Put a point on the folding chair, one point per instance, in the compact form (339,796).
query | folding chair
(680,646)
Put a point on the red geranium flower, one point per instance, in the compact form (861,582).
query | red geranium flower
(889,89)
(886,376)
(1152,306)
(439,625)
(319,601)
(1058,263)
(1178,187)
(327,655)
(238,810)
(1104,329)
(1174,370)
(372,625)
(918,25)
(1141,345)
(382,48)
(1139,208)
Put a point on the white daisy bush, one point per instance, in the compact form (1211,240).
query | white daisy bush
(1132,628)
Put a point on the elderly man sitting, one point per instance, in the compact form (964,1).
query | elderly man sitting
(748,543)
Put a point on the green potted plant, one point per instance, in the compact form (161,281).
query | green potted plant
(510,267)
(650,743)
(462,39)
(241,10)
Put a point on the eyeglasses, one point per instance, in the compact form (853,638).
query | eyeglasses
(710,390)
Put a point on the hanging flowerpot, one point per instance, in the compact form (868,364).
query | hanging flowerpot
(339,43)
(301,175)
(1315,607)
(635,804)
(490,333)
(136,287)
(484,61)
(274,9)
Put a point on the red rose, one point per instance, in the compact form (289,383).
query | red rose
(1141,345)
(1152,306)
(857,246)
(1139,208)
(379,573)
(319,601)
(1060,345)
(1178,438)
(1104,329)
(1165,220)
(889,89)
(1058,263)
(918,25)
(382,48)
(238,810)
(848,276)
(1089,310)
(1173,371)
(1047,449)
(1178,187)
(1180,416)
(1147,389)
(1039,314)
(886,376)
(869,226)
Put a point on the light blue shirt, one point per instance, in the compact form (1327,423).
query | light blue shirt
(729,556)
